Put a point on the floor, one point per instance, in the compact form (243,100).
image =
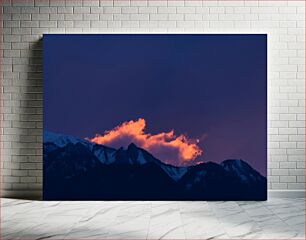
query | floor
(274,219)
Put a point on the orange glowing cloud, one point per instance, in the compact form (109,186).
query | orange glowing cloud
(165,146)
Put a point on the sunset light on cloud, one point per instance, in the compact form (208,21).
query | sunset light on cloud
(166,146)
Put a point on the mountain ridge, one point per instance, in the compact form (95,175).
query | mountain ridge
(76,160)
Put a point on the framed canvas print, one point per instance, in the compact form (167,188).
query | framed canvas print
(155,117)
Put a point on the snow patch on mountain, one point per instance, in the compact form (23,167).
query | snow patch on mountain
(140,158)
(176,173)
(105,156)
(61,140)
(241,169)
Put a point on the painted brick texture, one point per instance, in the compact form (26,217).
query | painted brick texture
(24,22)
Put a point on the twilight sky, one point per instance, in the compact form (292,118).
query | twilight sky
(210,89)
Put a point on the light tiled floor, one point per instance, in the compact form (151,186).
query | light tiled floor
(274,219)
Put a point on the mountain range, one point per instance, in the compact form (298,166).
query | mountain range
(76,169)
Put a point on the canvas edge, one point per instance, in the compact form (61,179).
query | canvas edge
(38,195)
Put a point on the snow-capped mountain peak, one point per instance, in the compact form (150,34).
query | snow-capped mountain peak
(73,148)
(104,154)
(61,140)
(243,170)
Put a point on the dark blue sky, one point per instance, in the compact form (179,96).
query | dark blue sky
(212,87)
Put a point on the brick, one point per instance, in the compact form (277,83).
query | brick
(273,165)
(296,151)
(28,179)
(82,24)
(148,24)
(96,10)
(296,186)
(176,3)
(265,24)
(91,16)
(228,17)
(275,151)
(63,10)
(261,10)
(20,186)
(130,24)
(49,10)
(300,164)
(242,10)
(39,17)
(230,3)
(138,3)
(185,24)
(193,3)
(168,24)
(11,24)
(23,3)
(37,31)
(11,9)
(19,46)
(122,3)
(47,24)
(81,9)
(11,179)
(147,9)
(222,24)
(73,16)
(277,186)
(19,173)
(166,10)
(59,3)
(139,17)
(74,3)
(120,17)
(114,24)
(160,17)
(29,10)
(159,3)
(21,31)
(42,3)
(57,17)
(300,179)
(176,17)
(129,10)
(291,10)
(294,124)
(273,179)
(91,3)
(35,173)
(104,17)
(289,103)
(287,145)
(185,10)
(300,144)
(297,138)
(112,10)
(193,17)
(21,17)
(287,165)
(98,24)
(280,172)
(296,172)
(11,53)
(65,24)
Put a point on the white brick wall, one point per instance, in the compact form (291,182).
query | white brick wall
(24,22)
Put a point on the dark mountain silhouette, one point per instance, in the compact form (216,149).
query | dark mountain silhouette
(75,169)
